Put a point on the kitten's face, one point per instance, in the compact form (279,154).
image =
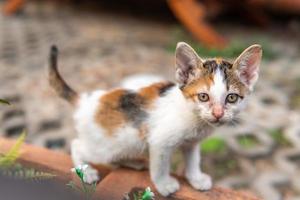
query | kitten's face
(216,87)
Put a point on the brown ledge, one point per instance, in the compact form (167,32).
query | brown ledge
(55,162)
(115,183)
(122,181)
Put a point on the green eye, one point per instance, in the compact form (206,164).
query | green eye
(232,98)
(203,97)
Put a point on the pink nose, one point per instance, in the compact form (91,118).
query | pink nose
(218,111)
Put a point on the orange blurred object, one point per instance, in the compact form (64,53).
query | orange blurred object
(12,6)
(192,13)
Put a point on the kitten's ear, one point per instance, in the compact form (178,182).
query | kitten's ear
(247,65)
(188,63)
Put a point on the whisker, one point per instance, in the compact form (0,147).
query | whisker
(209,123)
(235,121)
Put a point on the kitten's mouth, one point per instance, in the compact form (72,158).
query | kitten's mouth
(217,122)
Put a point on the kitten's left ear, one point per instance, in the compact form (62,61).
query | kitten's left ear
(188,63)
(247,65)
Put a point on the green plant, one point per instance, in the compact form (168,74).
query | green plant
(147,194)
(139,194)
(8,160)
(247,141)
(87,190)
(10,167)
(213,145)
(3,101)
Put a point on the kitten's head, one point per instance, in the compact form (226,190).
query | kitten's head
(216,87)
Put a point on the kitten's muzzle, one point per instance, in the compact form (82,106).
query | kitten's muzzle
(218,112)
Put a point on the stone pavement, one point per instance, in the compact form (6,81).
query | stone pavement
(98,50)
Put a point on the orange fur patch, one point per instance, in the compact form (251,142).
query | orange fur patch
(152,92)
(191,90)
(108,115)
(113,113)
(219,60)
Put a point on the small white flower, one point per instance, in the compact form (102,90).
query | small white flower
(80,167)
(80,170)
(148,189)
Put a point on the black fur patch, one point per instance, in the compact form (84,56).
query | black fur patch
(211,66)
(163,90)
(131,104)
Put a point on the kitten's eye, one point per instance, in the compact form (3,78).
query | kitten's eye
(232,98)
(203,97)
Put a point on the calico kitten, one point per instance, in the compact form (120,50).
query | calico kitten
(118,125)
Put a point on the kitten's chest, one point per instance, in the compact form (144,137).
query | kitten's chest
(198,133)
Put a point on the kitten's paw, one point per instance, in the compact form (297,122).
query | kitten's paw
(201,182)
(91,175)
(167,186)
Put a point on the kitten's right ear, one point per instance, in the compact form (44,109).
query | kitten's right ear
(247,65)
(188,63)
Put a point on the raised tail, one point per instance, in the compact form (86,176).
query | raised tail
(57,82)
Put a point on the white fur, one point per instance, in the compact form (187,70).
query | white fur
(95,145)
(218,89)
(197,179)
(138,81)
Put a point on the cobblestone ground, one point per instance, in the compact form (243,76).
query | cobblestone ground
(98,50)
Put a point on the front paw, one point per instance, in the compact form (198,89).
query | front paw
(90,175)
(167,186)
(201,182)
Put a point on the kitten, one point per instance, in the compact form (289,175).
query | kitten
(118,125)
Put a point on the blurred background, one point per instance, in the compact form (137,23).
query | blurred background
(101,42)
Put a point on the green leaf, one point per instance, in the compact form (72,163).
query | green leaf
(79,173)
(213,145)
(147,194)
(2,101)
(10,158)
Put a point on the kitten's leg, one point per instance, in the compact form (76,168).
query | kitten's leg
(195,177)
(160,170)
(77,154)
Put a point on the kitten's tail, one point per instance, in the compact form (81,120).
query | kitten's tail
(57,82)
